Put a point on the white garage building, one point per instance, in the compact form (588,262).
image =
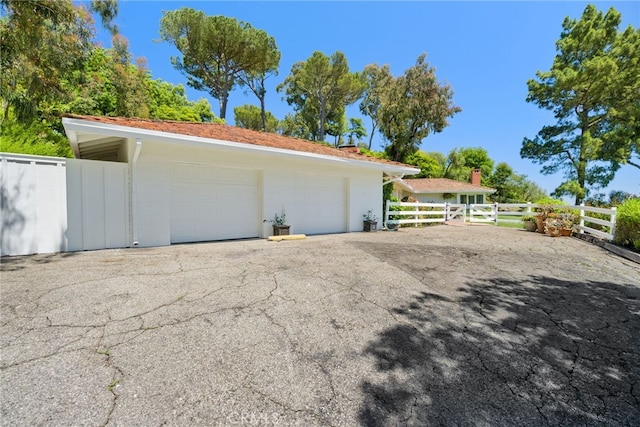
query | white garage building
(190,182)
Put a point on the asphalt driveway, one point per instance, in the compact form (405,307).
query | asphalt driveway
(443,325)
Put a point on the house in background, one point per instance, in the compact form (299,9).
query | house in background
(441,190)
(141,182)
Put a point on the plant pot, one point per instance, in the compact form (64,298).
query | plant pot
(530,226)
(281,230)
(540,224)
(369,226)
(393,226)
(558,232)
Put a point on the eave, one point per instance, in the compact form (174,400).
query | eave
(81,132)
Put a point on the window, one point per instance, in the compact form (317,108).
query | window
(472,199)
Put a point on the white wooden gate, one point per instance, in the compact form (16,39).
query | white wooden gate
(97,205)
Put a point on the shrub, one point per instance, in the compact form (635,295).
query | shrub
(394,208)
(628,224)
(549,201)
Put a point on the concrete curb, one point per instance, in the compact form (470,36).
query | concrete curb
(620,251)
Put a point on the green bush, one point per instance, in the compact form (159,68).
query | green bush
(394,208)
(549,201)
(628,224)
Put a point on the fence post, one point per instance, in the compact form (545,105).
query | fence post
(495,213)
(446,211)
(386,212)
(581,218)
(528,207)
(416,216)
(612,232)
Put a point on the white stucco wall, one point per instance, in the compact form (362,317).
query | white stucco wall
(280,181)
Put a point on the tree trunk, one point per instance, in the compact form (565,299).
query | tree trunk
(373,130)
(323,115)
(581,167)
(263,113)
(223,106)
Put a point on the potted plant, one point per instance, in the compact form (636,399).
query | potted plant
(542,213)
(530,222)
(280,228)
(369,222)
(559,224)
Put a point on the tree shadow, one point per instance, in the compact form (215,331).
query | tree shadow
(20,262)
(12,220)
(516,352)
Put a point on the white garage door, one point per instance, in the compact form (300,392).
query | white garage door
(212,203)
(321,204)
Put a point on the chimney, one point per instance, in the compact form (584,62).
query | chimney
(350,148)
(476,177)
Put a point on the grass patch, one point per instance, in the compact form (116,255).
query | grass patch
(519,224)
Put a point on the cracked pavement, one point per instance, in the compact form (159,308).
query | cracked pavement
(442,325)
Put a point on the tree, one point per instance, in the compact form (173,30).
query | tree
(505,183)
(337,126)
(43,43)
(108,84)
(250,117)
(169,102)
(294,125)
(356,130)
(431,164)
(377,81)
(413,106)
(320,88)
(461,161)
(215,50)
(266,65)
(33,138)
(593,89)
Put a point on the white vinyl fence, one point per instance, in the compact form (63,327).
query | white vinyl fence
(423,213)
(419,213)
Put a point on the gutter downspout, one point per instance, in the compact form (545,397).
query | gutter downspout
(134,192)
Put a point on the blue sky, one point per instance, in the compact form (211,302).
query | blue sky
(485,50)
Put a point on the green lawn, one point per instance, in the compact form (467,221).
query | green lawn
(518,224)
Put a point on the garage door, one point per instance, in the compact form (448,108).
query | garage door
(211,203)
(321,204)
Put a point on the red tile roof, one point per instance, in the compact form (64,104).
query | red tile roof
(232,134)
(443,185)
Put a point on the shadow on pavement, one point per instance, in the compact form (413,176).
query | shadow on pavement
(19,262)
(532,352)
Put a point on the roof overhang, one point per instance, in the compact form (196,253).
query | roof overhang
(480,190)
(449,190)
(85,133)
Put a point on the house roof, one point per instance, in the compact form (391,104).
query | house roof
(442,185)
(213,133)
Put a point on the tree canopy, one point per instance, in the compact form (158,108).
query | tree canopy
(593,90)
(217,50)
(250,117)
(410,107)
(377,81)
(320,88)
(51,67)
(461,161)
